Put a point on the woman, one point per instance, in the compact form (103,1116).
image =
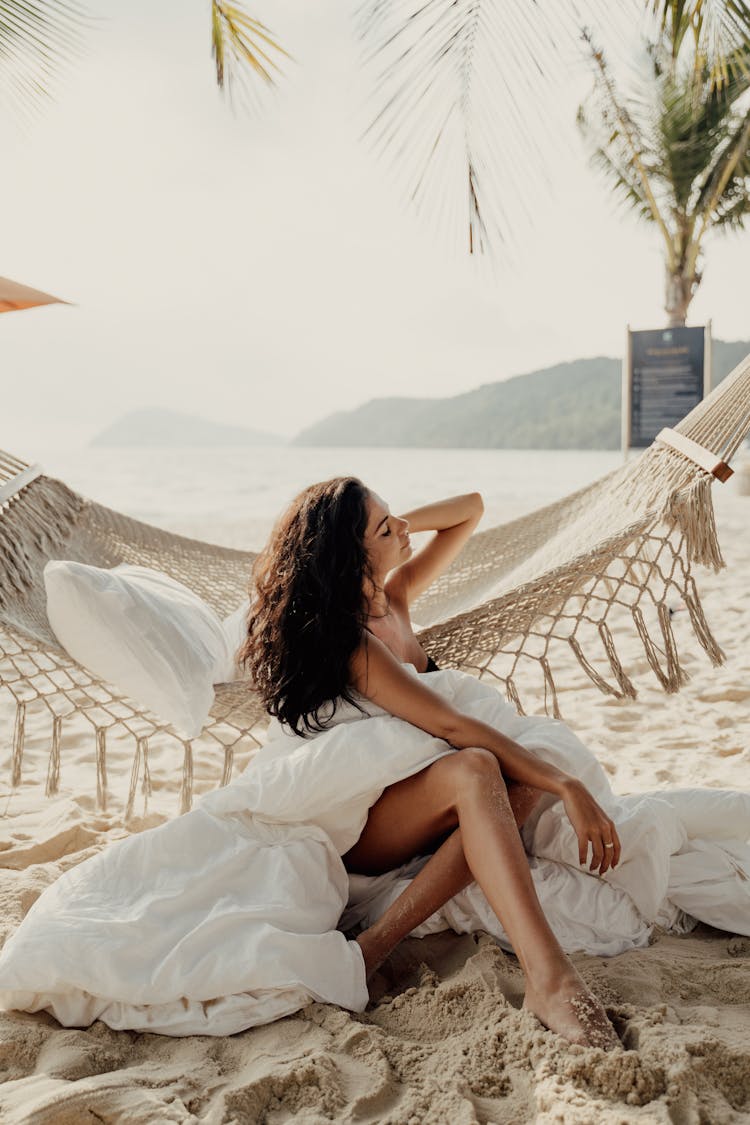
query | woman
(330,622)
(228,916)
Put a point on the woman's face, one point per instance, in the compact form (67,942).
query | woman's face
(386,537)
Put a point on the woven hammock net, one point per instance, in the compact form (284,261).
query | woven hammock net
(522,598)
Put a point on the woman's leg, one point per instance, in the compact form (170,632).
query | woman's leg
(443,876)
(466,790)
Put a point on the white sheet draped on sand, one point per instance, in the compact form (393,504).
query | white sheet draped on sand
(227,916)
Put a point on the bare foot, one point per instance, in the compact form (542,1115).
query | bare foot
(573,1011)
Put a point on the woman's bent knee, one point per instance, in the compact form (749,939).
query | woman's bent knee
(472,765)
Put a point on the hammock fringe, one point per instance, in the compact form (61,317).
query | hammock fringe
(700,626)
(134,773)
(146,787)
(512,695)
(101,768)
(676,674)
(43,516)
(226,773)
(649,648)
(627,687)
(19,734)
(591,672)
(550,689)
(659,486)
(186,792)
(693,509)
(53,767)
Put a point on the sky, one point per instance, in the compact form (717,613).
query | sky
(264,269)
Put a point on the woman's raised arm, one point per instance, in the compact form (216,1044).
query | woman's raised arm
(453,520)
(377,675)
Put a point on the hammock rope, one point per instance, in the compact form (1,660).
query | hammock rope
(616,556)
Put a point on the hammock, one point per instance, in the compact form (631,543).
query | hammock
(518,602)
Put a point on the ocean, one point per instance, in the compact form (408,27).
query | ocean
(232,496)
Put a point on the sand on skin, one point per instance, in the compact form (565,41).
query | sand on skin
(444,1039)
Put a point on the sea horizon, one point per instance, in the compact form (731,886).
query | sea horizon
(233,495)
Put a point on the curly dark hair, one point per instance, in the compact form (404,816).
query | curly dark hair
(308,612)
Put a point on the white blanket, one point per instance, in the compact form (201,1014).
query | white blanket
(227,916)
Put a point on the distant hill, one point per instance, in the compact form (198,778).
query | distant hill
(572,405)
(171,428)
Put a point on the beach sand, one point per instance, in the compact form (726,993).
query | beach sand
(444,1039)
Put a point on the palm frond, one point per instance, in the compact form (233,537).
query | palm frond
(717,29)
(242,48)
(624,139)
(703,136)
(37,38)
(611,158)
(687,130)
(734,205)
(727,176)
(627,187)
(737,82)
(456,95)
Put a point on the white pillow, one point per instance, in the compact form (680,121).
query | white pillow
(234,628)
(142,631)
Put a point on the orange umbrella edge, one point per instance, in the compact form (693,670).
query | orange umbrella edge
(14,296)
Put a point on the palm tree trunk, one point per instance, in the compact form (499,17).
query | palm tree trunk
(679,292)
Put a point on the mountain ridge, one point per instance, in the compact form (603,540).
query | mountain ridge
(160,427)
(536,410)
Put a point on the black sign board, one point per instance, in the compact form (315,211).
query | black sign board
(666,380)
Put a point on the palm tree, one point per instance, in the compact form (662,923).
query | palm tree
(447,73)
(451,74)
(677,150)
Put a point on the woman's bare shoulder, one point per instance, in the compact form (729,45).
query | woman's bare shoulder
(381,678)
(371,660)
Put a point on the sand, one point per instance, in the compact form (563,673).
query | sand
(444,1039)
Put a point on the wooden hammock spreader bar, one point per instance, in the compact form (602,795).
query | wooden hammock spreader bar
(702,457)
(16,483)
